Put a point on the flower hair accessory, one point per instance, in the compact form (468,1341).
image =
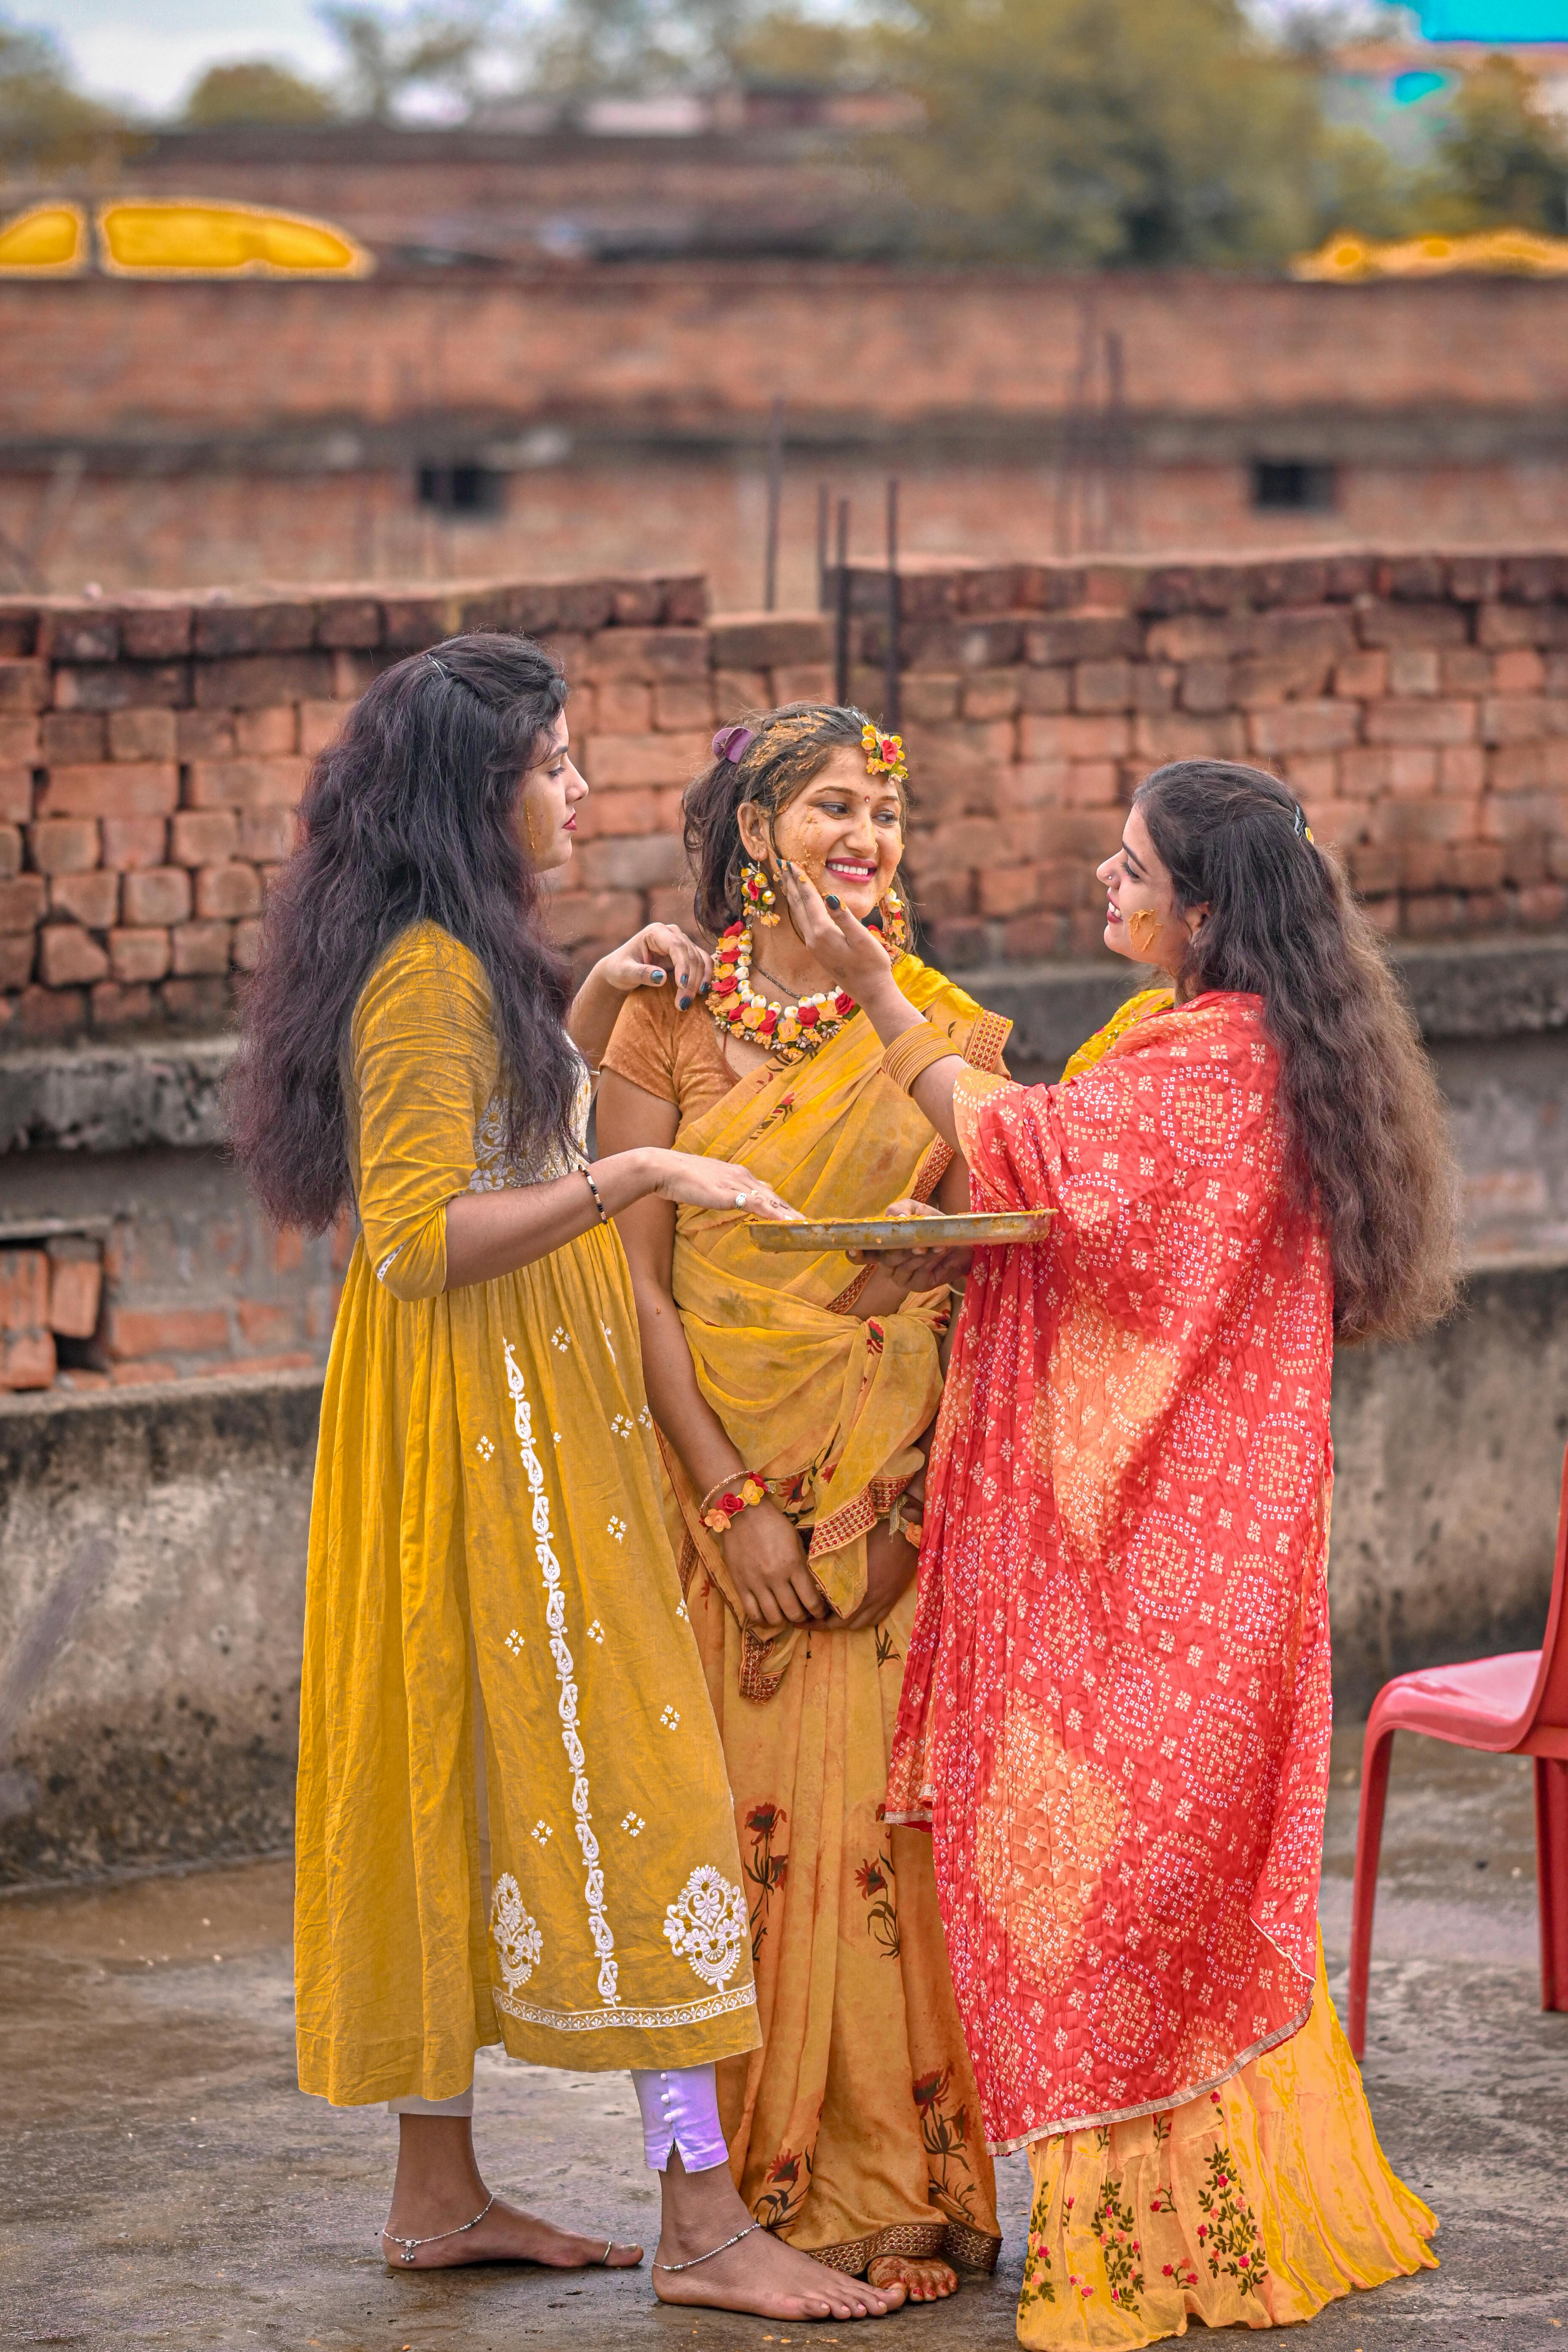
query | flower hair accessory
(884,754)
(723,1505)
(731,744)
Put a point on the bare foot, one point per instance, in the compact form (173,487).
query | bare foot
(507,2234)
(923,2281)
(770,2280)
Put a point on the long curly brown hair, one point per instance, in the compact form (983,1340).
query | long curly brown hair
(1366,1137)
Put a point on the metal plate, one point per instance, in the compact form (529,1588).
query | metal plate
(905,1233)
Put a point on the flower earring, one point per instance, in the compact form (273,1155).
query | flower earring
(758,894)
(895,923)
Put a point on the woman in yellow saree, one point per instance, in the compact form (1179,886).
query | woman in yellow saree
(794,1396)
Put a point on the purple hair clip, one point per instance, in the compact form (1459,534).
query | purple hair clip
(730,742)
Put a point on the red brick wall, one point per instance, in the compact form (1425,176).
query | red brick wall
(150,751)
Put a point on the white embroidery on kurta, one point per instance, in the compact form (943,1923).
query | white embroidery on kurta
(542,1834)
(596,1633)
(680,1610)
(634,1825)
(617,1527)
(597,2020)
(516,1936)
(381,1271)
(621,1426)
(566,1701)
(646,1418)
(609,1340)
(514,1643)
(558,1340)
(708,1925)
(484,1449)
(670,1718)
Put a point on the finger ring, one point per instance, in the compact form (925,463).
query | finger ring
(740,1200)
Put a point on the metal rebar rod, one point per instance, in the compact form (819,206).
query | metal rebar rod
(775,494)
(822,504)
(841,627)
(891,696)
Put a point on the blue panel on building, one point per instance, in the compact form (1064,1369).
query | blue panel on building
(1494,20)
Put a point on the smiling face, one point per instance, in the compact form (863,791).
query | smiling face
(1142,921)
(845,829)
(546,806)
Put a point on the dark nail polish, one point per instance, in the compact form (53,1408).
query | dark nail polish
(833,902)
(657,980)
(681,1002)
(705,988)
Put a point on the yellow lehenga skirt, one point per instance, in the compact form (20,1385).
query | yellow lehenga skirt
(1253,2205)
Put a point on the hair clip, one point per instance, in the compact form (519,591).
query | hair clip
(441,666)
(731,743)
(1300,827)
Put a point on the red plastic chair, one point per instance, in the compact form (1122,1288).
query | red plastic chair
(1512,1705)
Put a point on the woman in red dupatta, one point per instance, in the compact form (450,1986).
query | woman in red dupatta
(1116,1705)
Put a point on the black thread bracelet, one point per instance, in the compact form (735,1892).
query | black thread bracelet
(588,1176)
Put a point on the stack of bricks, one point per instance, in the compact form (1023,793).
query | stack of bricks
(46,1295)
(152,748)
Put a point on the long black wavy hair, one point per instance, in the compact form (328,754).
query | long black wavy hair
(410,816)
(1365,1134)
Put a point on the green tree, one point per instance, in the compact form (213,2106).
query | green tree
(46,124)
(1502,162)
(254,90)
(428,45)
(1103,132)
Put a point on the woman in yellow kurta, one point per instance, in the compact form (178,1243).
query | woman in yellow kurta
(513,1820)
(853,2132)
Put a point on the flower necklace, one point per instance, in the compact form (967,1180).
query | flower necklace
(789,1031)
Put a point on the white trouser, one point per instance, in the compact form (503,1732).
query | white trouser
(680,2112)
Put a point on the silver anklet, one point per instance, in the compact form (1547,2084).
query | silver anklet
(708,2257)
(409,2245)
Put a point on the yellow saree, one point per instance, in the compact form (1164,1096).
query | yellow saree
(855,2131)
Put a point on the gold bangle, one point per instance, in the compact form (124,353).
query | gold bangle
(914,1052)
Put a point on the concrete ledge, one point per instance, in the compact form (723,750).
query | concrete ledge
(152,1569)
(114,1097)
(152,1590)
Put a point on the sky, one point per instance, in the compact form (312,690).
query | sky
(149,52)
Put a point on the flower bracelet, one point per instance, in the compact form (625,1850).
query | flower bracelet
(723,1505)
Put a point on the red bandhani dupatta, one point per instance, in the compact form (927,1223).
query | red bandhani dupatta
(1116,1705)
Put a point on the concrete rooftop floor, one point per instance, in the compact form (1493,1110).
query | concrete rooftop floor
(167,2186)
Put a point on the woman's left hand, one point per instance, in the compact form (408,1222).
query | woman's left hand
(916,1270)
(652,957)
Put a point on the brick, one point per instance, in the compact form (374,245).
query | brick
(1462,768)
(254,681)
(1415,669)
(618,811)
(1411,625)
(993,694)
(201,948)
(142,1331)
(160,896)
(24,685)
(1394,822)
(1086,636)
(143,734)
(1092,784)
(76,1287)
(125,686)
(1374,868)
(113,788)
(130,842)
(143,954)
(154,630)
(15,795)
(623,706)
(21,742)
(1316,725)
(674,654)
(959,945)
(349,621)
(268,734)
(1500,627)
(22,902)
(1074,737)
(1421,722)
(268,835)
(736,691)
(67,956)
(117,1007)
(1009,890)
(1184,735)
(1542,905)
(210,734)
(91,898)
(1521,719)
(135,1376)
(801,682)
(203,837)
(647,758)
(266,1323)
(28,1360)
(245,783)
(972,841)
(197,1003)
(632,862)
(24,1290)
(72,737)
(18,953)
(1102,686)
(321,724)
(246,946)
(769,640)
(1361,677)
(1206,686)
(10,852)
(227,892)
(66,845)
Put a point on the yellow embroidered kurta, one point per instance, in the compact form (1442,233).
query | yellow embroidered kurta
(498,1681)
